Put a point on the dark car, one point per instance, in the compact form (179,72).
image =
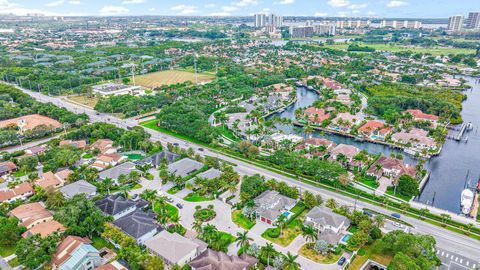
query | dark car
(341,261)
(179,206)
(97,113)
(200,149)
(395,215)
(176,144)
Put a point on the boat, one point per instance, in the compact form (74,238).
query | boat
(466,201)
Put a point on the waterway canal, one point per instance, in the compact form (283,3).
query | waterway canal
(448,170)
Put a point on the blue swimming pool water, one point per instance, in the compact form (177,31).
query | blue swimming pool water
(346,237)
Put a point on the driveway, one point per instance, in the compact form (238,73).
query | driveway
(384,183)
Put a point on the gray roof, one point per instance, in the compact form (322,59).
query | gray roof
(79,187)
(326,217)
(155,159)
(172,246)
(210,174)
(184,167)
(214,260)
(330,237)
(115,172)
(138,223)
(270,204)
(116,203)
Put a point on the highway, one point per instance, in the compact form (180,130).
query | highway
(446,240)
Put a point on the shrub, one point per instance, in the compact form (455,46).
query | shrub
(273,232)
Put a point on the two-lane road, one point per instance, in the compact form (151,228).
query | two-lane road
(446,239)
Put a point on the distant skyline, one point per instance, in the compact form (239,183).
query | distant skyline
(320,8)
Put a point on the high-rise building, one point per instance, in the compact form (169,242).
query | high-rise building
(455,23)
(352,24)
(400,24)
(473,20)
(260,19)
(301,31)
(324,29)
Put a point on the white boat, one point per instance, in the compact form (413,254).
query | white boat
(466,201)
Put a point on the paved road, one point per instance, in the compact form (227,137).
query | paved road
(446,239)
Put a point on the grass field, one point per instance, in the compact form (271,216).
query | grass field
(168,77)
(400,48)
(87,101)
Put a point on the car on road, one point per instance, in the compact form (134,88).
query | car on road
(180,206)
(200,149)
(97,113)
(397,224)
(341,261)
(395,215)
(170,200)
(176,144)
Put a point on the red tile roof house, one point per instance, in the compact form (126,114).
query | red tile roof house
(53,180)
(7,167)
(81,144)
(375,129)
(418,115)
(391,167)
(317,142)
(105,146)
(104,161)
(37,219)
(417,138)
(29,122)
(349,151)
(20,192)
(315,115)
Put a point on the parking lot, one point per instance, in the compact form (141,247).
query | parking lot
(453,261)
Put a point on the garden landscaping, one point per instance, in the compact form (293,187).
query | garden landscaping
(308,252)
(204,214)
(195,197)
(241,220)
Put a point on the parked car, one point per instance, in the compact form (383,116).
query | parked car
(368,213)
(179,206)
(176,144)
(200,149)
(341,261)
(170,200)
(396,224)
(395,215)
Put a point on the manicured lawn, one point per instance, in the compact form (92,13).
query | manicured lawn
(194,197)
(168,77)
(14,262)
(401,48)
(398,195)
(204,214)
(241,220)
(369,181)
(135,156)
(313,255)
(152,124)
(6,251)
(298,208)
(18,173)
(88,155)
(173,190)
(369,254)
(289,233)
(100,243)
(172,211)
(137,186)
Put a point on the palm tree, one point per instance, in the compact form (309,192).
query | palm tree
(423,212)
(124,190)
(281,223)
(243,241)
(197,226)
(404,207)
(307,130)
(445,218)
(208,231)
(309,233)
(379,220)
(149,195)
(331,203)
(290,262)
(268,251)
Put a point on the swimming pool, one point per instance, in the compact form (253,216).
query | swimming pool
(346,237)
(287,214)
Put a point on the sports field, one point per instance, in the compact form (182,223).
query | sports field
(168,77)
(399,48)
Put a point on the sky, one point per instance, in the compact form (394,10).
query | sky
(321,8)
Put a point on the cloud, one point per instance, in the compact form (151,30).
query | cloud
(152,9)
(338,3)
(74,2)
(396,3)
(343,14)
(244,3)
(357,6)
(113,10)
(210,5)
(129,2)
(229,8)
(55,3)
(320,14)
(285,2)
(184,9)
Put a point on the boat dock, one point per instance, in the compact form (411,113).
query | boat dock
(463,129)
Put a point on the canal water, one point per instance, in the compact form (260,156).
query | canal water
(448,170)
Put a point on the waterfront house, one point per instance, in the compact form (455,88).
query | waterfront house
(173,248)
(19,192)
(349,151)
(76,253)
(416,138)
(316,115)
(344,122)
(313,142)
(390,167)
(375,129)
(215,260)
(418,115)
(323,218)
(271,204)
